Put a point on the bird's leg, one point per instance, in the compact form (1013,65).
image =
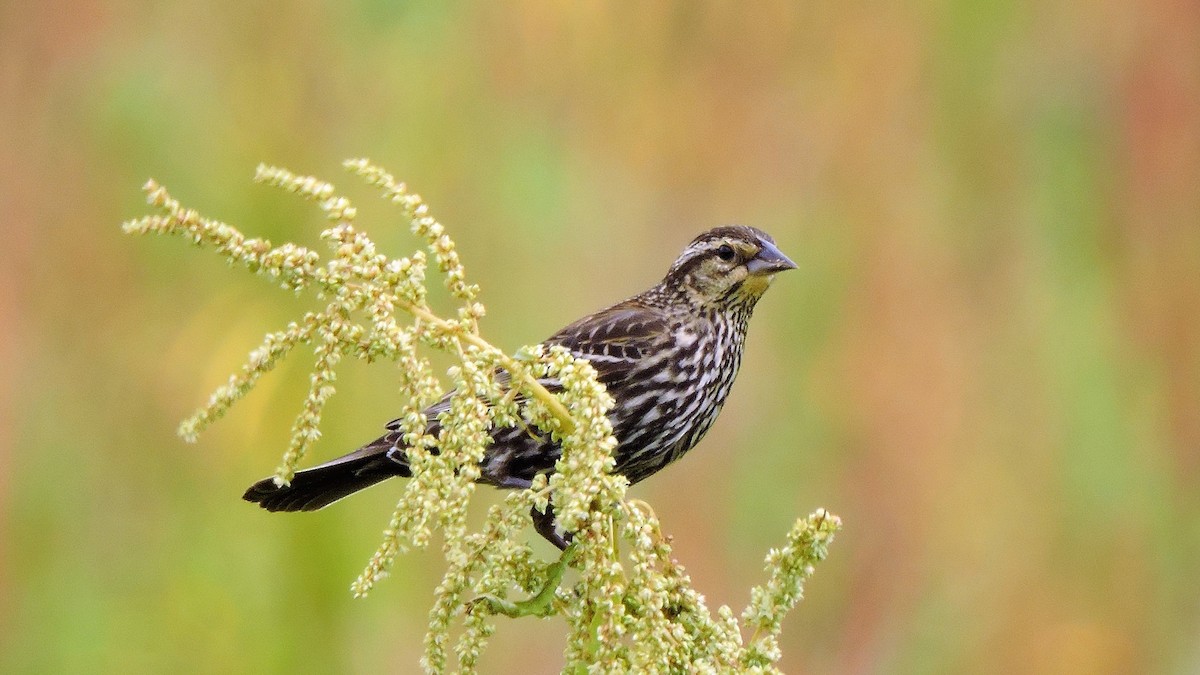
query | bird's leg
(543,522)
(545,525)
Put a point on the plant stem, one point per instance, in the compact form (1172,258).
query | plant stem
(538,605)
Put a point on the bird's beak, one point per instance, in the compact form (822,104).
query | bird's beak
(769,260)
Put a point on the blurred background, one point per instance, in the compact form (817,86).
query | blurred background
(988,362)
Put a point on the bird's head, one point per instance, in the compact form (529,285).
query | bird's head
(727,267)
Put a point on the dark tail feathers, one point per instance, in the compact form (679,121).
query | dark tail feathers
(323,485)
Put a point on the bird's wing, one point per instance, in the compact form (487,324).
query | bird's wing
(616,339)
(613,340)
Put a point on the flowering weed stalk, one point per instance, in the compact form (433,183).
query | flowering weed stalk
(633,608)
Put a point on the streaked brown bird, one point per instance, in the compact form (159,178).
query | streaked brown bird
(668,357)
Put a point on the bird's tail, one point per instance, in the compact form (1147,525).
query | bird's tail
(320,486)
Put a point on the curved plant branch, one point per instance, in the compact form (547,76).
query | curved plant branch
(632,607)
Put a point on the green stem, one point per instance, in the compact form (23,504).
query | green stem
(538,605)
(539,392)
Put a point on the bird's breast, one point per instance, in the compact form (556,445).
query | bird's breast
(672,402)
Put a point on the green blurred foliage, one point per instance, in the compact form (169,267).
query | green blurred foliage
(993,340)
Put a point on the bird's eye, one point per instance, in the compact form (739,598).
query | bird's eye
(725,252)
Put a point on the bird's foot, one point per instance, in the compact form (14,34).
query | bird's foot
(545,525)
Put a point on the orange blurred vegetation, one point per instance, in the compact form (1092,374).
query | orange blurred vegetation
(988,364)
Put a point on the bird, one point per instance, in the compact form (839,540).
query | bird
(668,357)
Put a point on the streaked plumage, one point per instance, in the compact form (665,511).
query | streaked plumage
(668,357)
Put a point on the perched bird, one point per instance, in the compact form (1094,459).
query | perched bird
(667,356)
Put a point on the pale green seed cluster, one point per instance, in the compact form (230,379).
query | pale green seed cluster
(629,605)
(791,566)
